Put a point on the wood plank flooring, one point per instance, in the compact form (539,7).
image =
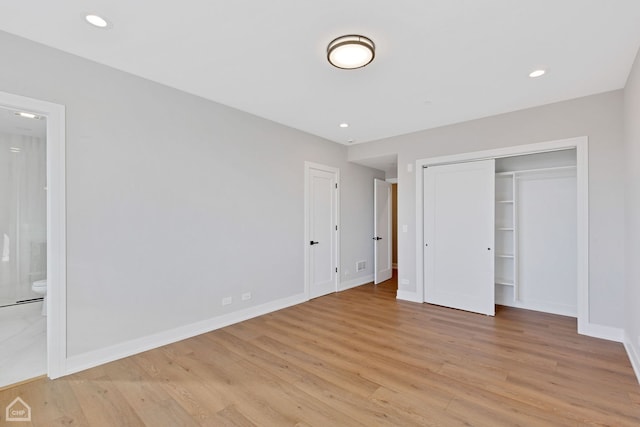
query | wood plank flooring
(356,358)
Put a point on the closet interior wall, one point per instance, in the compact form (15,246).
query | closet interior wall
(535,234)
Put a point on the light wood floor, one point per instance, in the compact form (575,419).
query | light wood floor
(356,358)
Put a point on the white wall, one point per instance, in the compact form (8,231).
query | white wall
(599,117)
(174,202)
(632,211)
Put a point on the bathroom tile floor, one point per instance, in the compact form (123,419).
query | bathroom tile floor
(23,343)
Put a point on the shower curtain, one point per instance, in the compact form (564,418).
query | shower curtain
(23,216)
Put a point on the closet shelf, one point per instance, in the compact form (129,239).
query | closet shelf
(505,256)
(504,201)
(504,228)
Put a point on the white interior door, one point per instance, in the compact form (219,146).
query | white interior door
(459,236)
(322,230)
(382,232)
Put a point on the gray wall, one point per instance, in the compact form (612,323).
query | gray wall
(174,202)
(599,117)
(632,219)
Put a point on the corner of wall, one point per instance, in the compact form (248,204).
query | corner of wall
(600,331)
(353,283)
(408,296)
(634,355)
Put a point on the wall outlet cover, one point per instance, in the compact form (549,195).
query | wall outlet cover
(246,296)
(227,300)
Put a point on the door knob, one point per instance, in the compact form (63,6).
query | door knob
(313,243)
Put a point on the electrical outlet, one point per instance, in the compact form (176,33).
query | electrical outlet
(405,228)
(227,300)
(404,281)
(246,296)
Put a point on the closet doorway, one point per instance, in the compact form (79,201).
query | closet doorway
(527,296)
(535,232)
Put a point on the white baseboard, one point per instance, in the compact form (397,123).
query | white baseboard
(558,309)
(408,296)
(603,332)
(354,283)
(633,353)
(129,348)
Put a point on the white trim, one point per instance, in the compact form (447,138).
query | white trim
(307,272)
(129,348)
(582,221)
(634,356)
(56,226)
(354,283)
(603,332)
(545,307)
(392,180)
(409,296)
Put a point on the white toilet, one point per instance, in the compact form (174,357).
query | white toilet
(40,288)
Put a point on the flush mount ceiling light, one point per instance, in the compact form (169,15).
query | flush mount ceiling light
(537,73)
(350,52)
(97,21)
(344,125)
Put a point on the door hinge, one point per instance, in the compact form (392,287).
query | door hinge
(336,228)
(336,185)
(336,269)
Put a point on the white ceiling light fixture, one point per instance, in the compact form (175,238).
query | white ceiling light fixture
(351,52)
(97,21)
(27,115)
(537,73)
(344,125)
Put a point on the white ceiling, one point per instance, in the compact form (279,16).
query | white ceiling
(437,61)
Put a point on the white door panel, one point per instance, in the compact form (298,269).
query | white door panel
(383,268)
(322,223)
(547,235)
(459,235)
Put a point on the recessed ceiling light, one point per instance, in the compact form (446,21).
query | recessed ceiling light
(537,73)
(350,52)
(27,115)
(97,21)
(344,125)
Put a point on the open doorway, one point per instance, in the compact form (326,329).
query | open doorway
(32,239)
(23,243)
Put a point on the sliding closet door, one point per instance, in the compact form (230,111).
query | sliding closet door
(459,235)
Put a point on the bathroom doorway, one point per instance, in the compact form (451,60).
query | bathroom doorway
(23,245)
(32,246)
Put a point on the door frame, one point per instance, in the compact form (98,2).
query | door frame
(307,232)
(581,145)
(56,226)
